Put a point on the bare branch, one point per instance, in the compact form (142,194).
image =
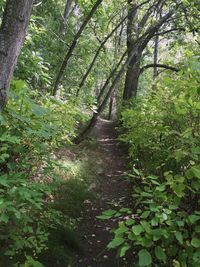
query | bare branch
(158,66)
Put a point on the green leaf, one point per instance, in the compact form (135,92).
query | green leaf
(179,237)
(160,254)
(193,218)
(195,242)
(193,172)
(180,223)
(146,226)
(4,181)
(130,222)
(125,210)
(116,242)
(123,250)
(103,217)
(137,172)
(137,229)
(196,171)
(145,214)
(164,216)
(122,229)
(4,218)
(109,212)
(196,256)
(145,258)
(38,110)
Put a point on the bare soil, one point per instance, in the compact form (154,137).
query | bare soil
(112,190)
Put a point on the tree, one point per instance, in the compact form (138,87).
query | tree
(140,43)
(135,27)
(67,11)
(12,32)
(73,46)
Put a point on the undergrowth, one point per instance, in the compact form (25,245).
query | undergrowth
(162,131)
(40,193)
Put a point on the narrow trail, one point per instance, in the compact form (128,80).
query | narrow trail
(112,191)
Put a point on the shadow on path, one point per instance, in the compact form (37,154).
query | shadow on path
(112,191)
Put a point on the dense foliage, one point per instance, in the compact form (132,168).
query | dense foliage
(162,132)
(41,195)
(30,131)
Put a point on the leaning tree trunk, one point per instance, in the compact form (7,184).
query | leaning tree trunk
(73,46)
(12,32)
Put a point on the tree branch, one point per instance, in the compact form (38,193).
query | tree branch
(158,66)
(73,46)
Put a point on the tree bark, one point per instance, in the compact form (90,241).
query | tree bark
(111,105)
(132,78)
(155,69)
(66,14)
(12,32)
(73,46)
(134,29)
(132,74)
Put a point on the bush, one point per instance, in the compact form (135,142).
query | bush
(32,126)
(162,132)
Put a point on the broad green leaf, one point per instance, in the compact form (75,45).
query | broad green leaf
(130,222)
(123,250)
(193,218)
(193,172)
(38,110)
(196,256)
(160,254)
(4,218)
(116,242)
(145,214)
(122,229)
(146,226)
(145,258)
(195,242)
(179,237)
(125,210)
(4,181)
(109,212)
(196,171)
(137,229)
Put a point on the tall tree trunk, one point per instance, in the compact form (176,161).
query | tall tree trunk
(73,46)
(132,78)
(156,43)
(66,14)
(12,32)
(111,106)
(132,73)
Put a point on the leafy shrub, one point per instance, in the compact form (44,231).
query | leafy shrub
(32,126)
(163,135)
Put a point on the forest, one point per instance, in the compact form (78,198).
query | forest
(99,133)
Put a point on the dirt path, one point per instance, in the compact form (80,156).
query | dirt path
(111,190)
